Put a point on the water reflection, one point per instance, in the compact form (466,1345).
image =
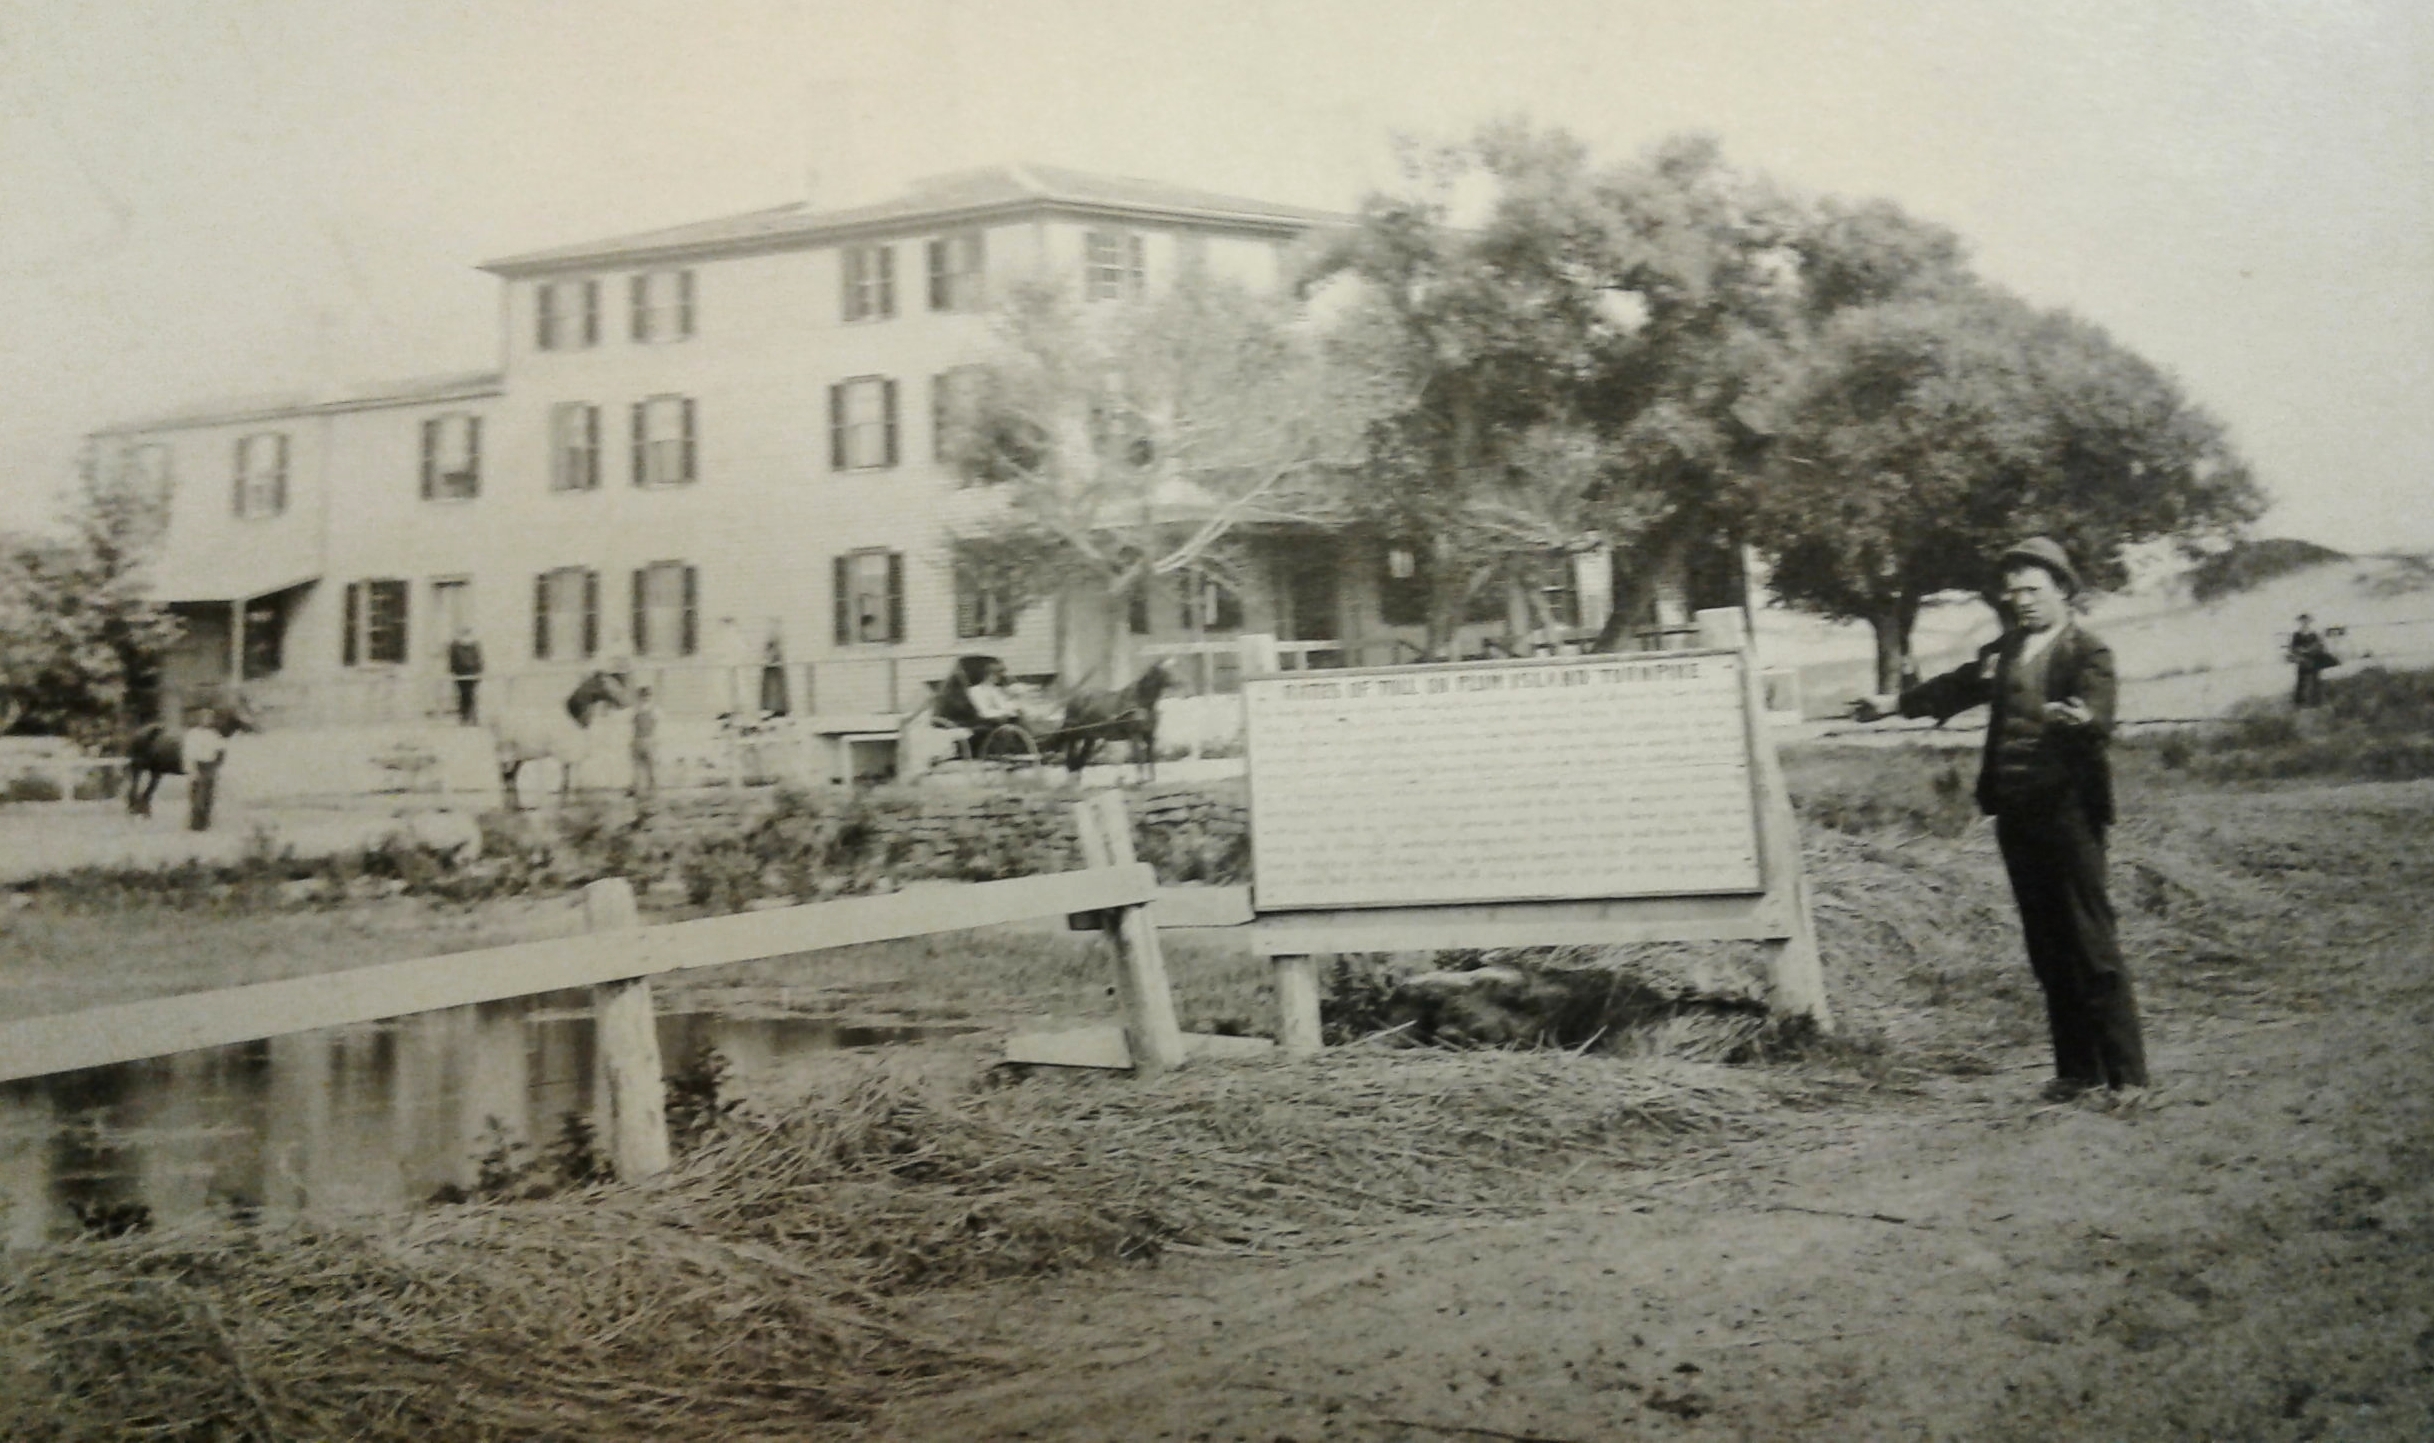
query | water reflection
(349,1121)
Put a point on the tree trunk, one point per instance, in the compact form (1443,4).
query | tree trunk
(1892,625)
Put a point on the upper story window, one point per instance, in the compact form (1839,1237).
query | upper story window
(862,423)
(981,609)
(146,466)
(375,623)
(869,590)
(957,265)
(261,479)
(566,614)
(1114,265)
(870,283)
(452,457)
(661,305)
(574,446)
(663,441)
(566,315)
(667,611)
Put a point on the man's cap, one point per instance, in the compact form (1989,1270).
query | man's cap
(2042,551)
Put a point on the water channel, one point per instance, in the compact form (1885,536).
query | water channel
(369,1119)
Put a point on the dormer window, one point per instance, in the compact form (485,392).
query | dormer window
(566,315)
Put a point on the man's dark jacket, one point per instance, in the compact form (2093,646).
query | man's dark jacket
(2030,761)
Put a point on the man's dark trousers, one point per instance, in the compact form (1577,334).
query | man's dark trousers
(199,787)
(2056,861)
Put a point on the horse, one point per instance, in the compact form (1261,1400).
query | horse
(1094,717)
(158,749)
(562,734)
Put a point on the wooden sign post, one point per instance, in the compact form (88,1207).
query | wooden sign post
(1602,798)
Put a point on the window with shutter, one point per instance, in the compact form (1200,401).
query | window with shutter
(375,623)
(870,593)
(261,474)
(663,441)
(841,596)
(862,424)
(1114,265)
(660,305)
(957,264)
(452,457)
(869,279)
(664,624)
(981,609)
(566,614)
(574,428)
(566,315)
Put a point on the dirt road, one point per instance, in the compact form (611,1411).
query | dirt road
(2247,1254)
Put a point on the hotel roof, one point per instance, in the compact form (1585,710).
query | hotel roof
(965,196)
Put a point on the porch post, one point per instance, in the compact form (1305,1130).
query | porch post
(236,646)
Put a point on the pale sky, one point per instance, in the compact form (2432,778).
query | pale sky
(223,198)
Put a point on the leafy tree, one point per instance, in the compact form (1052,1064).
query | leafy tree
(1912,438)
(80,644)
(1109,443)
(1482,337)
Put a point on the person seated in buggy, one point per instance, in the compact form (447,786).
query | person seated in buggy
(973,699)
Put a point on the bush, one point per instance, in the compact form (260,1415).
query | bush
(2250,564)
(2375,725)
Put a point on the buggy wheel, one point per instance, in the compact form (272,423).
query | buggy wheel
(1009,747)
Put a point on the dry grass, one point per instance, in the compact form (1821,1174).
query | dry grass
(751,1295)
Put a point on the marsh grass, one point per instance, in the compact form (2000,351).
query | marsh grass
(751,1295)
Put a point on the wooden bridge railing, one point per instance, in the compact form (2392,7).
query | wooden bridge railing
(617,958)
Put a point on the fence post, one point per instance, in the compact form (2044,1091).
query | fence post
(1149,1005)
(626,1033)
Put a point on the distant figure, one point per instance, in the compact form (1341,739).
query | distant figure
(773,671)
(645,754)
(2311,658)
(202,748)
(465,668)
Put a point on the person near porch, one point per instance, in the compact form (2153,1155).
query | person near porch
(644,748)
(465,669)
(203,748)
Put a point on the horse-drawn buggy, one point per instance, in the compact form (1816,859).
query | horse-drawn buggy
(977,718)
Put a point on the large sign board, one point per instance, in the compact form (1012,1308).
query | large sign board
(1538,780)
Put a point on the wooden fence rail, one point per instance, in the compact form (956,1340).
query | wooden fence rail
(615,953)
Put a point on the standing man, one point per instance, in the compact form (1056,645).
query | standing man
(465,666)
(202,749)
(2048,684)
(643,749)
(2308,653)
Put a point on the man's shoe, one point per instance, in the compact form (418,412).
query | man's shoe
(2063,1089)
